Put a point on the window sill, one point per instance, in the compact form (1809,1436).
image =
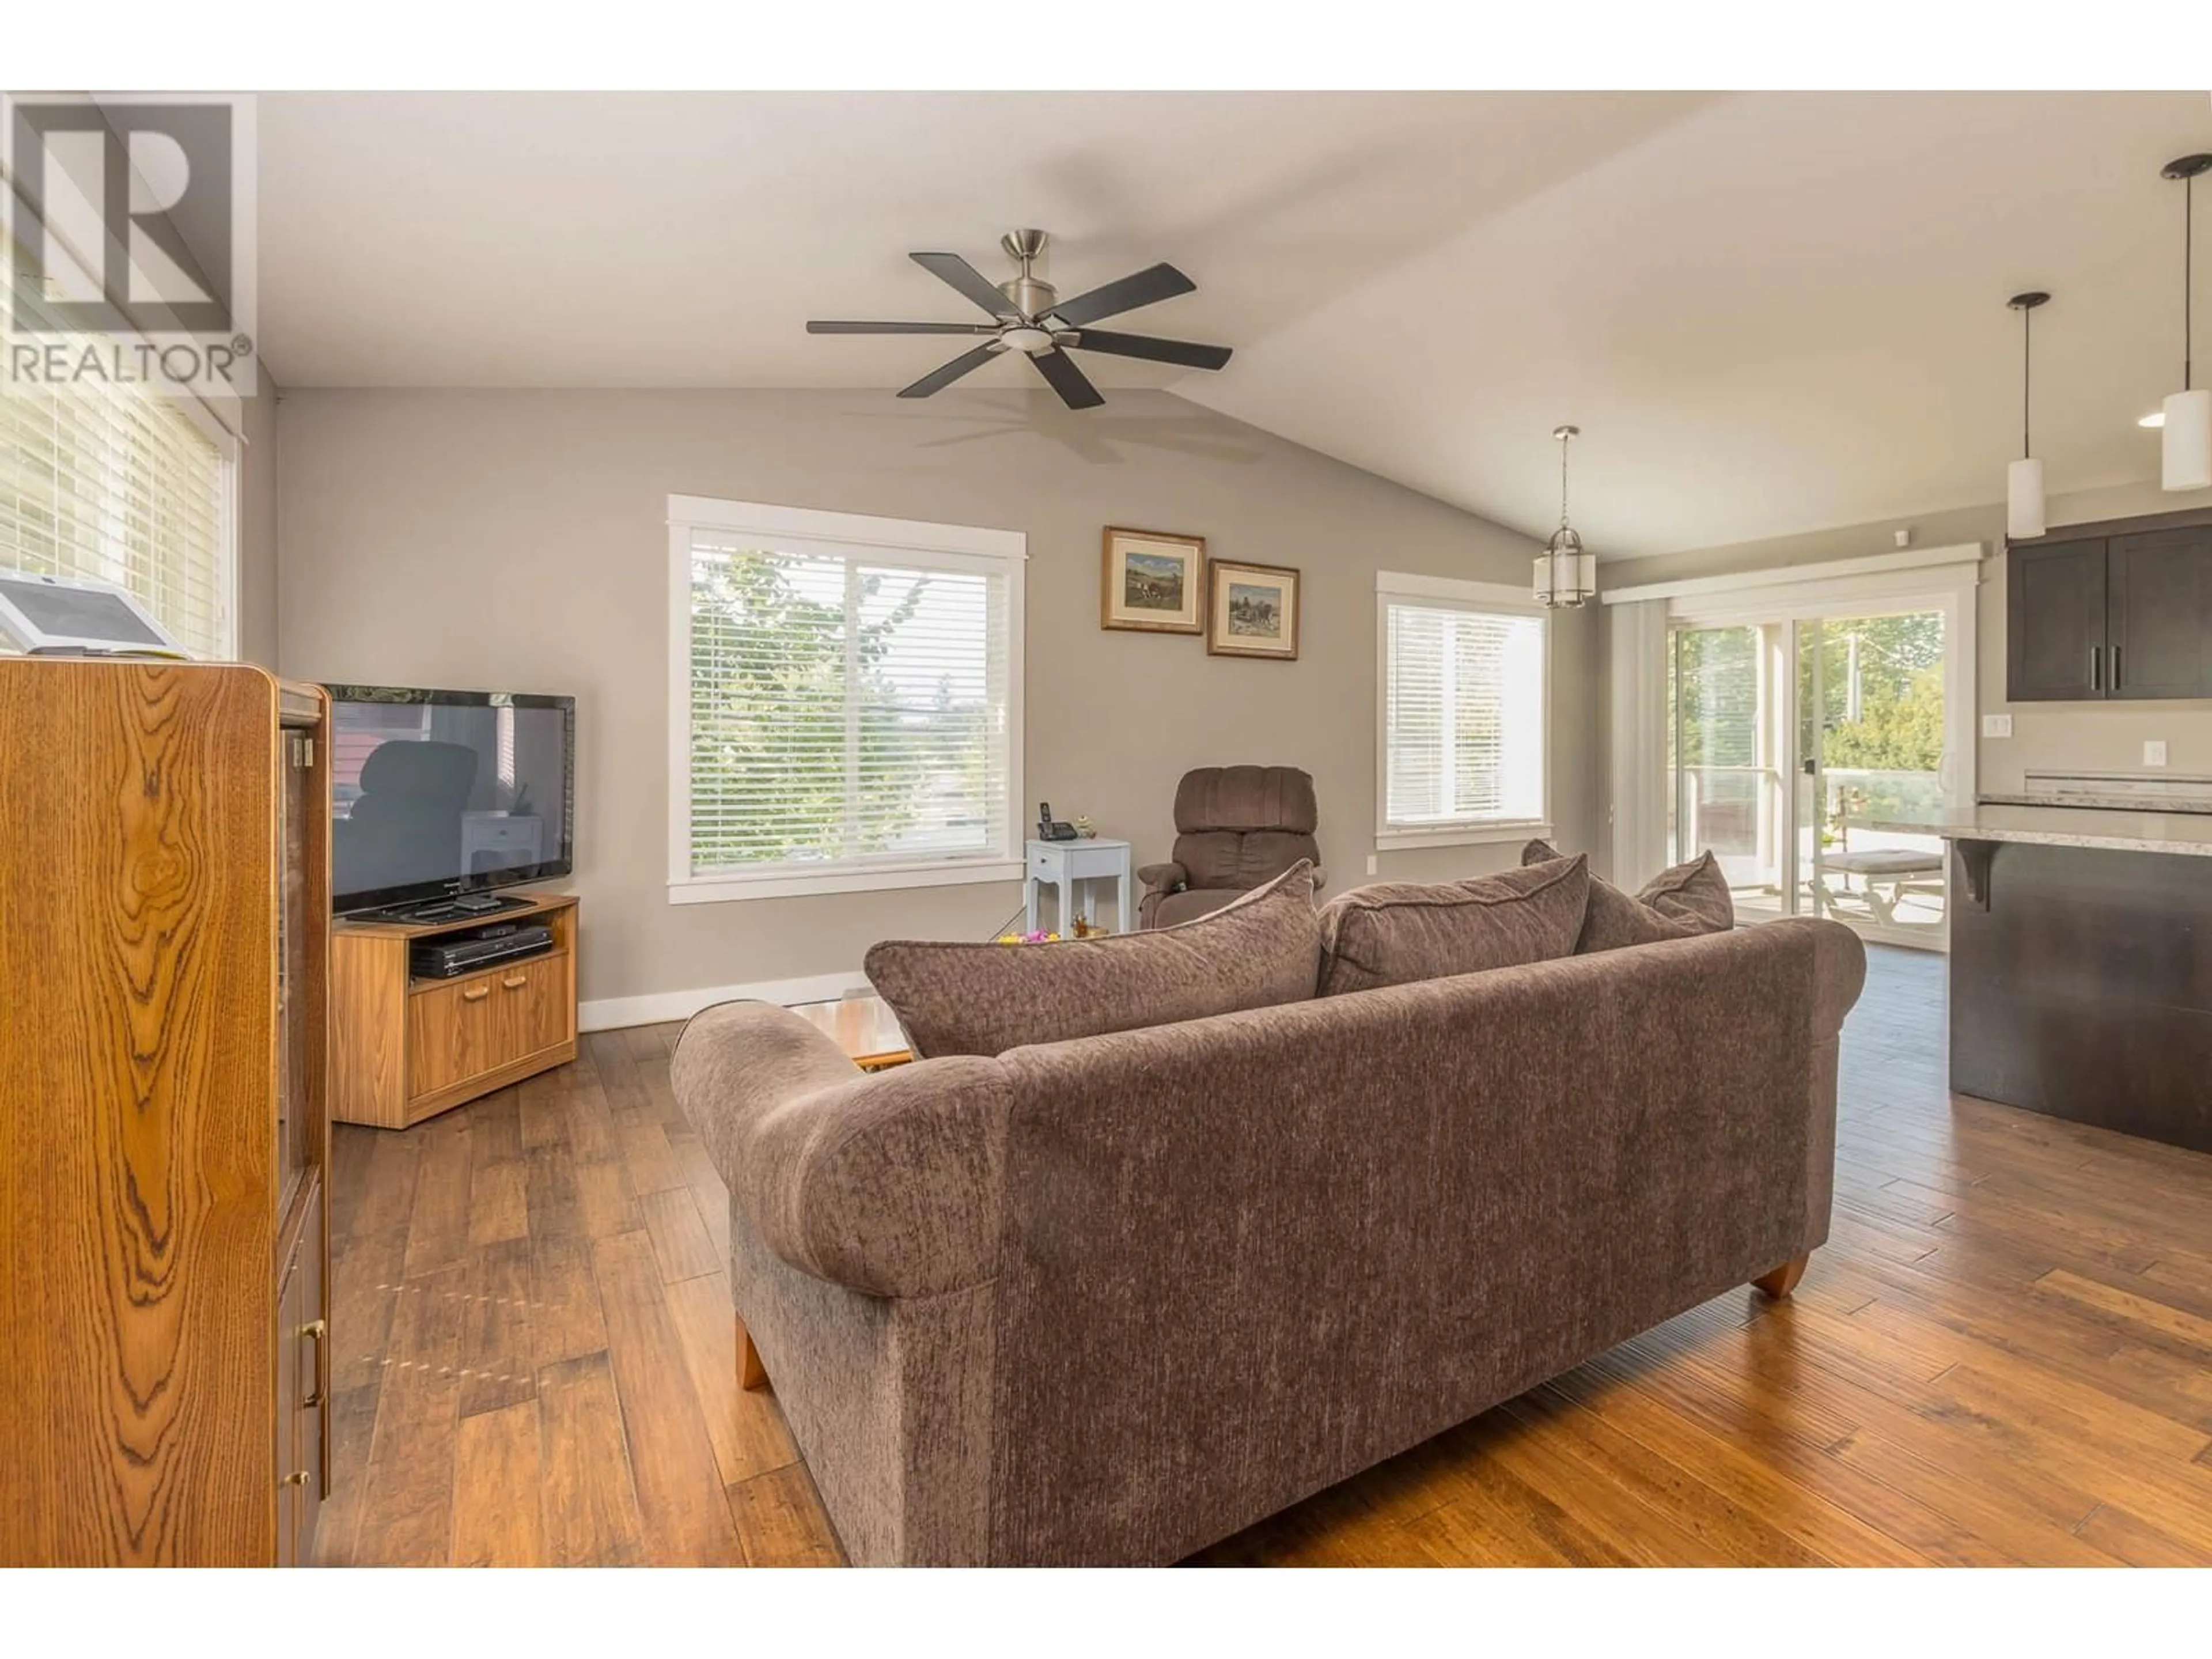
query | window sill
(718,889)
(1461,835)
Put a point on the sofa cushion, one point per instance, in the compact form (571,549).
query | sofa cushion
(1682,902)
(1395,932)
(1263,948)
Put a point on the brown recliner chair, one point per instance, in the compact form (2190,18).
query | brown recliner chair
(1235,828)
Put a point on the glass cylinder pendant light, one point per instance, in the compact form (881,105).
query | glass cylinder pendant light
(1566,576)
(2186,439)
(2023,477)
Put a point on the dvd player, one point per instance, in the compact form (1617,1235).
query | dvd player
(448,958)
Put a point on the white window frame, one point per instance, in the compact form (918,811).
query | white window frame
(221,421)
(1451,593)
(230,576)
(996,552)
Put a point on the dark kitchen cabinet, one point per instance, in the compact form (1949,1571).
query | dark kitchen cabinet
(2125,613)
(2157,614)
(2055,622)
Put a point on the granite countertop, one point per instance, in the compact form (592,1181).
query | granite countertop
(2187,832)
(2118,801)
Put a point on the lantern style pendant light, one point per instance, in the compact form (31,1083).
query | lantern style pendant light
(1566,576)
(2186,445)
(2023,477)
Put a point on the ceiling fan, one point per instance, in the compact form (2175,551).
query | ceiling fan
(1029,317)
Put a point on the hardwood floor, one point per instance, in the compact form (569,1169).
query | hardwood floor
(2004,1355)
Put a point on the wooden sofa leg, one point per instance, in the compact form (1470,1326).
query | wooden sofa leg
(1783,1280)
(751,1374)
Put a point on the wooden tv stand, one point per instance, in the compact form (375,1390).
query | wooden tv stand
(403,1049)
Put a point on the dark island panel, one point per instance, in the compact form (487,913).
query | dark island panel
(2083,989)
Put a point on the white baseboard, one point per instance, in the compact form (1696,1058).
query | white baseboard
(663,1006)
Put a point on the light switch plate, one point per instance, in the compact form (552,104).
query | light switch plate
(2154,751)
(1997,726)
(1371,863)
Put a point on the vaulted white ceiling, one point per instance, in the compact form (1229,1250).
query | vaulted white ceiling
(1769,312)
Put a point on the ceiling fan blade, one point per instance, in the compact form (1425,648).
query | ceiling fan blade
(1186,353)
(1071,383)
(952,269)
(902,328)
(1146,288)
(966,363)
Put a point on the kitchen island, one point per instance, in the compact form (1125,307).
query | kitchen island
(2082,965)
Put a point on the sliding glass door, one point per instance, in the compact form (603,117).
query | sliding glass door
(1813,748)
(1727,793)
(1874,772)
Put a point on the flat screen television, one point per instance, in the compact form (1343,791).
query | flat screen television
(436,793)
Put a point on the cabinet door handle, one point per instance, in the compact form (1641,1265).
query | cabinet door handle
(517,982)
(314,1330)
(476,993)
(2096,668)
(2116,668)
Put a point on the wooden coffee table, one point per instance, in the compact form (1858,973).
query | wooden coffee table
(864,1027)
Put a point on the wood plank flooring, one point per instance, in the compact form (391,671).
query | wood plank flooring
(2003,1356)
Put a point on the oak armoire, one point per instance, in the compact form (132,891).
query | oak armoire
(164,941)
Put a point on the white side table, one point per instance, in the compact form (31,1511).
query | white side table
(1066,865)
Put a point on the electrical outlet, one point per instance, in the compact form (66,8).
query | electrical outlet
(1997,726)
(2154,751)
(1371,863)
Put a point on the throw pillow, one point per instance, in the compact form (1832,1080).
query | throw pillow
(1397,931)
(960,999)
(1682,902)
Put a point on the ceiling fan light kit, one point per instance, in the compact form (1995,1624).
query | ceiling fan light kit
(1030,319)
(1567,577)
(2024,517)
(2186,439)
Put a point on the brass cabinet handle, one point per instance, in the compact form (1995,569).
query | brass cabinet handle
(297,1478)
(517,982)
(476,993)
(314,1330)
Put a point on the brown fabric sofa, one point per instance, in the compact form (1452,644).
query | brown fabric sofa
(1237,827)
(1111,1300)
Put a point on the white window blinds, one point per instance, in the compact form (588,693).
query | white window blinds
(118,483)
(849,709)
(1464,713)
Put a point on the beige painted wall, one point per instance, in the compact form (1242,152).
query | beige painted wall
(257,526)
(518,539)
(2102,737)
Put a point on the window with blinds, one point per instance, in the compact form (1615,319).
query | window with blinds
(1463,717)
(118,483)
(848,711)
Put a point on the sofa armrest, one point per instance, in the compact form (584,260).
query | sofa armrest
(1838,969)
(1169,877)
(888,1183)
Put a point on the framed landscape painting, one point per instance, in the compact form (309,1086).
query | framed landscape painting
(1254,610)
(1153,582)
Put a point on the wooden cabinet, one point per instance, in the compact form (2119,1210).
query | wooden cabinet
(303,1383)
(164,926)
(2126,614)
(2158,608)
(409,1049)
(2054,621)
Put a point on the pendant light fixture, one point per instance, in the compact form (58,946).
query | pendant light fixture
(2186,442)
(2023,477)
(1566,576)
